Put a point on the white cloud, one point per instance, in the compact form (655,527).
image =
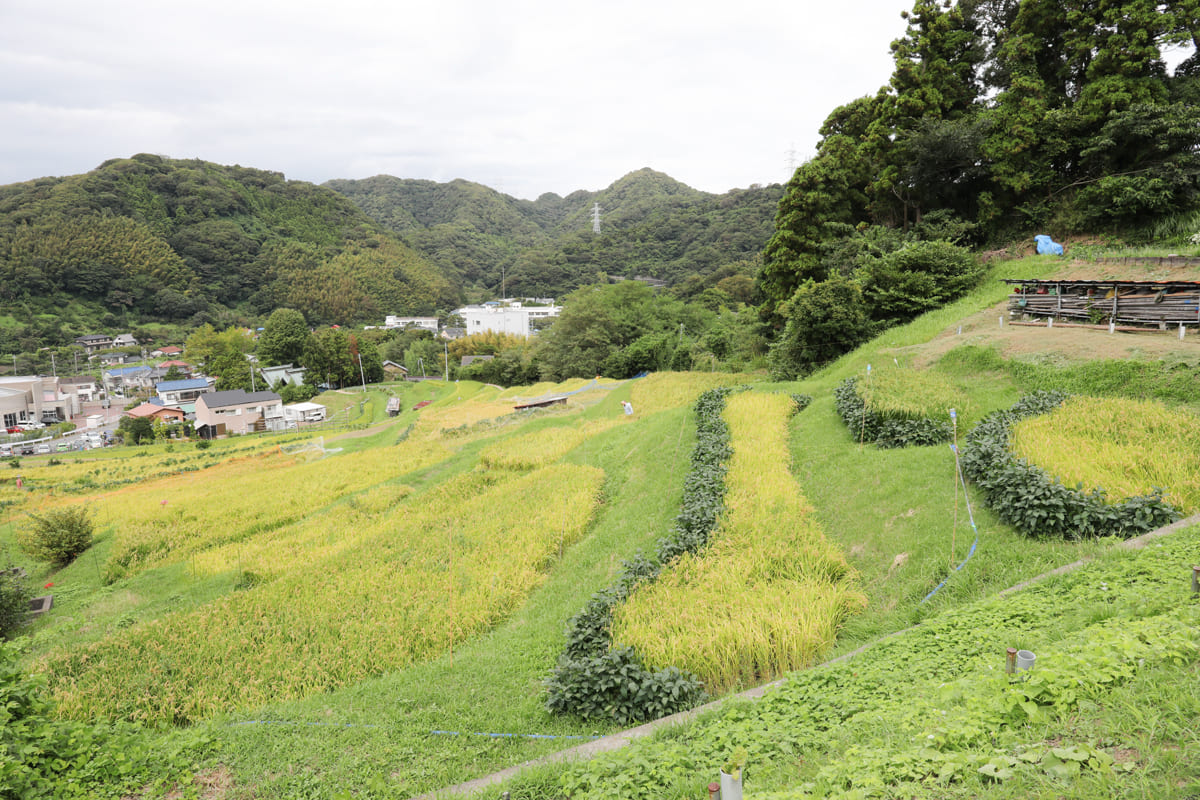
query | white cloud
(528,96)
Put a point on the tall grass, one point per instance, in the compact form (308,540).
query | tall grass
(769,593)
(1126,447)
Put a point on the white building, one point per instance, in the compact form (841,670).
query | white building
(428,323)
(304,412)
(513,318)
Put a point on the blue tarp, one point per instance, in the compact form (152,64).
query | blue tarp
(1047,246)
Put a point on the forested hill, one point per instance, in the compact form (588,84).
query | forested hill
(650,224)
(151,238)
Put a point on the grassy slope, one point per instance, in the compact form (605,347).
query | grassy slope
(892,511)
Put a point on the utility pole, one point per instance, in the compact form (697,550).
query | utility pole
(595,218)
(446,348)
(362,373)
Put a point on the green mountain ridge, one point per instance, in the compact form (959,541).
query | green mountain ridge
(650,224)
(184,242)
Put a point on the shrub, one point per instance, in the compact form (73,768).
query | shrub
(14,602)
(1030,500)
(57,536)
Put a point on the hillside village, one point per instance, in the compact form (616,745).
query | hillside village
(883,482)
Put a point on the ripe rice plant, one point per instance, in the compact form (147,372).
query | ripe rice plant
(304,543)
(540,448)
(164,521)
(664,390)
(904,393)
(1126,447)
(769,592)
(416,581)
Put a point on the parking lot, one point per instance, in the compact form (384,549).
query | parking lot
(81,438)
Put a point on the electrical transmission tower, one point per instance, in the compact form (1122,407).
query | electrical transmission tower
(595,218)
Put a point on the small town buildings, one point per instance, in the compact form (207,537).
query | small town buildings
(95,342)
(167,351)
(181,366)
(84,387)
(124,340)
(128,379)
(425,323)
(238,411)
(35,398)
(515,317)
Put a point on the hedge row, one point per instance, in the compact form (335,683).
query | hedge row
(1037,504)
(886,432)
(594,680)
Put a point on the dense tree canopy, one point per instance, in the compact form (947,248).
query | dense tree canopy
(283,337)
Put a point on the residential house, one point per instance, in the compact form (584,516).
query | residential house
(281,375)
(167,351)
(238,411)
(95,342)
(156,411)
(126,380)
(183,392)
(124,340)
(182,367)
(468,360)
(84,387)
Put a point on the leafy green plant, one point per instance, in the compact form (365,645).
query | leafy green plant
(1029,499)
(58,535)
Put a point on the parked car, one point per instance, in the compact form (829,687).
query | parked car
(14,429)
(30,425)
(43,449)
(27,450)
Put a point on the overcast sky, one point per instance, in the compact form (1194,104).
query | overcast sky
(524,96)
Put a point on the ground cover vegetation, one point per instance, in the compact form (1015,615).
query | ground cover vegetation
(952,722)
